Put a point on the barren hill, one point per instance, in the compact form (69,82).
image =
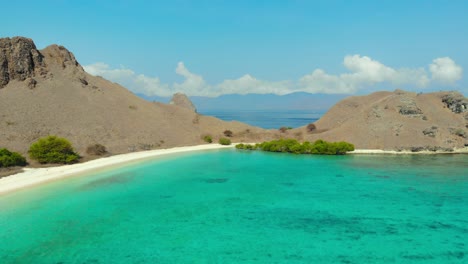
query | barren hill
(47,92)
(396,120)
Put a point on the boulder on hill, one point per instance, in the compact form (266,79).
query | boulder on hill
(182,100)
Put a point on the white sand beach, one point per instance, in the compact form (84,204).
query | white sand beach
(406,152)
(36,176)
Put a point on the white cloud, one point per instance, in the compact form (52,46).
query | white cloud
(367,70)
(150,86)
(193,84)
(248,84)
(115,75)
(363,72)
(321,82)
(444,70)
(136,83)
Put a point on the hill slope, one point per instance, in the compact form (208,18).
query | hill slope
(397,120)
(47,92)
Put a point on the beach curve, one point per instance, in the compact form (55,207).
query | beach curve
(36,176)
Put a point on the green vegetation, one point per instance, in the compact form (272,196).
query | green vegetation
(293,146)
(53,149)
(10,159)
(224,141)
(284,129)
(208,139)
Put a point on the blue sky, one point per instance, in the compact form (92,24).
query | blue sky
(217,47)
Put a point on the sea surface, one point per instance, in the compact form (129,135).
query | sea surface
(268,119)
(230,206)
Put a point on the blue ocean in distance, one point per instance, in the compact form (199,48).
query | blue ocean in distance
(268,119)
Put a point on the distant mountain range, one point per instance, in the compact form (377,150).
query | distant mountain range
(293,101)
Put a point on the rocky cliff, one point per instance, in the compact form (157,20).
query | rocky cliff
(20,60)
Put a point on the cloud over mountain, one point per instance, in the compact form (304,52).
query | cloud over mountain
(363,72)
(445,70)
(137,83)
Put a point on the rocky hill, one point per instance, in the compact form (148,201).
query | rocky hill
(47,92)
(396,120)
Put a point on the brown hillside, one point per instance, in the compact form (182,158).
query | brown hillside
(47,92)
(396,120)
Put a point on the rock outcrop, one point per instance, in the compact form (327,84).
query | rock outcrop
(182,100)
(19,60)
(456,102)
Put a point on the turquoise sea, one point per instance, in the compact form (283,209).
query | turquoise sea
(229,206)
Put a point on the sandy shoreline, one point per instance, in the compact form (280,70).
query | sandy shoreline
(35,176)
(406,152)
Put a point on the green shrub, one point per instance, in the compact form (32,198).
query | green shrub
(240,146)
(208,139)
(53,149)
(10,159)
(246,146)
(293,146)
(224,141)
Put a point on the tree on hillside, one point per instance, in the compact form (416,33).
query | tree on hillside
(10,159)
(53,149)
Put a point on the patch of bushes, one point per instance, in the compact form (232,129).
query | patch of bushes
(11,159)
(228,133)
(224,141)
(96,149)
(311,127)
(53,149)
(284,129)
(207,138)
(293,146)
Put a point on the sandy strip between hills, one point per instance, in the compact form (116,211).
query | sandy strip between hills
(35,176)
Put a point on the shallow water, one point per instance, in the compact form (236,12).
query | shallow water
(230,206)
